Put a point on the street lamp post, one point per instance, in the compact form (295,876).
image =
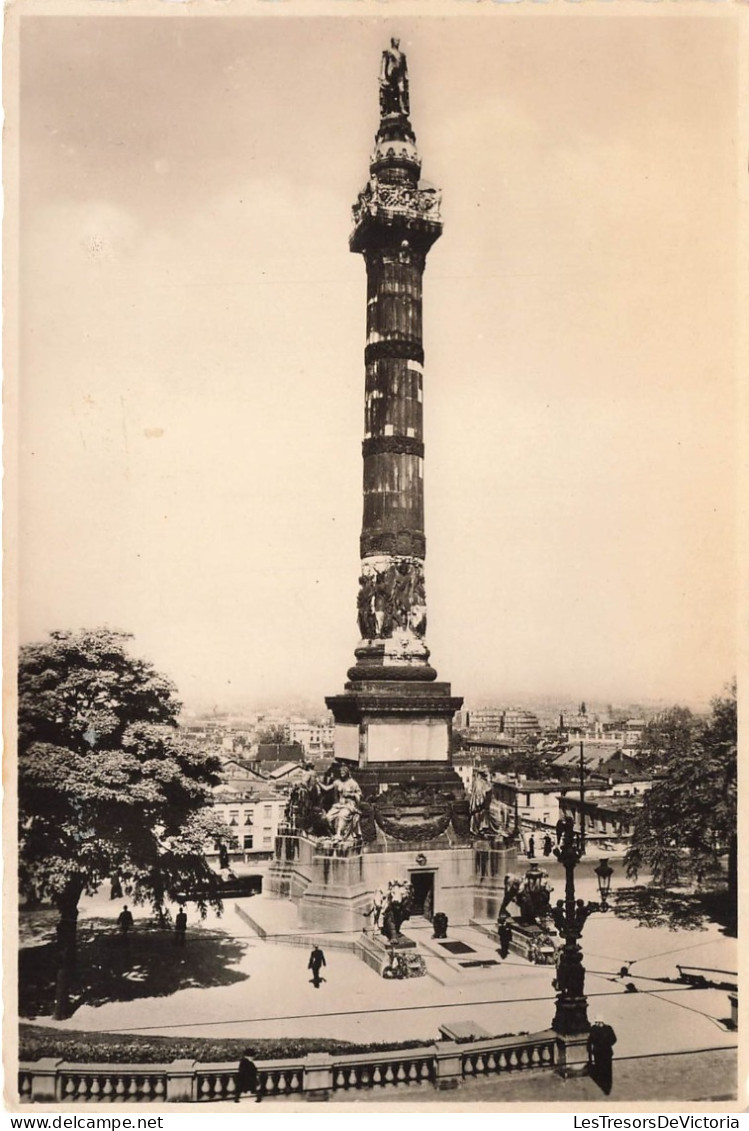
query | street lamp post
(571,1017)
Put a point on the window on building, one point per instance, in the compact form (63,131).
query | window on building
(248,818)
(267,840)
(267,810)
(233,818)
(248,841)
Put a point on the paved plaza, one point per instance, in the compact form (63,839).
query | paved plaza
(270,993)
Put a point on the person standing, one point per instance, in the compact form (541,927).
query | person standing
(531,847)
(547,845)
(601,1041)
(505,937)
(180,927)
(316,962)
(125,922)
(247,1079)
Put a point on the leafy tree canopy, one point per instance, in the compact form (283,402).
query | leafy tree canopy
(687,821)
(273,735)
(669,735)
(108,786)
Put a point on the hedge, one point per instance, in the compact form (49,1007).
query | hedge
(36,1041)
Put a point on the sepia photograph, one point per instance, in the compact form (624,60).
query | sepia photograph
(371,591)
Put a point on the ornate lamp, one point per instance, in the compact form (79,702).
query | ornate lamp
(604,872)
(571,1018)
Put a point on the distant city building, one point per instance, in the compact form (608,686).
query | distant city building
(253,820)
(626,775)
(580,725)
(490,747)
(595,752)
(607,818)
(241,774)
(514,722)
(314,738)
(627,733)
(529,804)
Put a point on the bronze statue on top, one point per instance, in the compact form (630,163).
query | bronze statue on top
(394,82)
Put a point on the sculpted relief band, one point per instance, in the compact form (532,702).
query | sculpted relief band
(393,710)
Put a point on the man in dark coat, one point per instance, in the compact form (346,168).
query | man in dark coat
(547,845)
(601,1041)
(505,937)
(180,927)
(531,847)
(125,922)
(560,829)
(247,1080)
(316,961)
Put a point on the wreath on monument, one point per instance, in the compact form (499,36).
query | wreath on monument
(368,823)
(401,828)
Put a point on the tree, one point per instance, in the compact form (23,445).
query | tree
(687,822)
(669,735)
(273,735)
(108,787)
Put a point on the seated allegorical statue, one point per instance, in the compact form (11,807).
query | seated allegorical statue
(344,815)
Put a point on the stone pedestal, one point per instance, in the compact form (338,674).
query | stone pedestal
(572,1054)
(335,893)
(318,1076)
(44,1080)
(449,1066)
(179,1082)
(378,723)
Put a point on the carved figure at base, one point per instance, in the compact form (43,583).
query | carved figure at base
(304,800)
(344,816)
(479,799)
(396,909)
(365,608)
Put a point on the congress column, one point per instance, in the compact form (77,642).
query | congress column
(393,710)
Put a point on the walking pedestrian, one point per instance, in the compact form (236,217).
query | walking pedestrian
(125,922)
(601,1041)
(180,927)
(505,937)
(547,845)
(316,961)
(247,1080)
(531,847)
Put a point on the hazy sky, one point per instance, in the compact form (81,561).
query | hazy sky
(192,335)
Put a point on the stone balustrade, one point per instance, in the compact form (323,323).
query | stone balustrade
(442,1064)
